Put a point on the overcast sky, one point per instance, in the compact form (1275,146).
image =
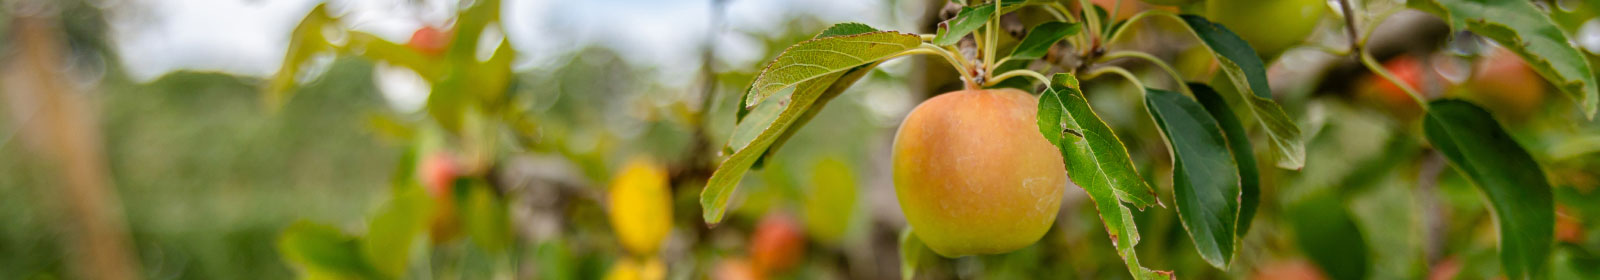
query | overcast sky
(249,37)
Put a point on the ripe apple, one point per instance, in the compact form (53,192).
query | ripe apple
(1569,228)
(1407,69)
(1507,86)
(438,172)
(1125,8)
(734,269)
(1290,270)
(974,176)
(641,206)
(429,40)
(776,245)
(1269,26)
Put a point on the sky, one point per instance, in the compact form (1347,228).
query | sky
(249,37)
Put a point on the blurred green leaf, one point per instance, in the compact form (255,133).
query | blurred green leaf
(490,79)
(1098,163)
(825,56)
(323,251)
(967,20)
(1094,156)
(1243,155)
(306,40)
(395,228)
(376,48)
(912,253)
(830,202)
(470,23)
(1529,32)
(1205,179)
(1325,231)
(1572,261)
(1039,40)
(484,217)
(1249,76)
(1477,146)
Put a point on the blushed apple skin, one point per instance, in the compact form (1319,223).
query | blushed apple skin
(974,176)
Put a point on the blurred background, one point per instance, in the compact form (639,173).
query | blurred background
(190,139)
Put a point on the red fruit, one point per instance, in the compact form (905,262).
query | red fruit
(1507,86)
(1407,69)
(1568,227)
(972,174)
(438,173)
(429,40)
(1446,269)
(1290,270)
(777,244)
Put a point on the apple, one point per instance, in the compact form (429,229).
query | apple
(1289,270)
(777,244)
(438,172)
(641,206)
(973,175)
(1269,26)
(1408,70)
(429,40)
(1507,86)
(734,269)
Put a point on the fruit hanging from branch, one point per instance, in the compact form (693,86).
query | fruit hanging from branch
(641,206)
(973,177)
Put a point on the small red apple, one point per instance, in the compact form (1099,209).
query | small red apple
(777,244)
(437,173)
(734,269)
(1568,227)
(1409,70)
(1507,86)
(430,40)
(1290,270)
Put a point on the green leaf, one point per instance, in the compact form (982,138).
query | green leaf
(323,251)
(470,23)
(1249,76)
(1060,108)
(967,20)
(838,87)
(394,229)
(1477,146)
(1096,158)
(484,216)
(1324,229)
(848,28)
(752,137)
(1243,155)
(376,48)
(1039,40)
(825,56)
(912,254)
(306,40)
(842,29)
(1205,179)
(774,119)
(1528,32)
